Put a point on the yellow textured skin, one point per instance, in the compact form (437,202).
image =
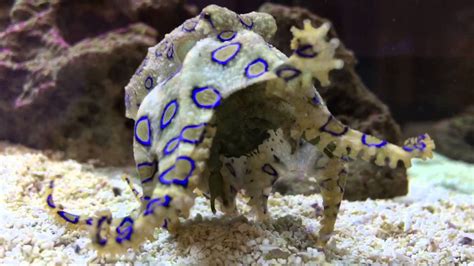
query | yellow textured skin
(175,97)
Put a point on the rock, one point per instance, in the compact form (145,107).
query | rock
(63,66)
(352,103)
(455,136)
(277,253)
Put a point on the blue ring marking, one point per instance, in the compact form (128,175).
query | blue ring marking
(192,141)
(101,241)
(124,233)
(293,72)
(419,145)
(302,51)
(230,57)
(164,124)
(51,184)
(170,51)
(377,145)
(408,149)
(316,100)
(150,178)
(334,134)
(148,83)
(67,217)
(162,176)
(189,29)
(419,141)
(267,168)
(137,138)
(50,201)
(197,90)
(184,182)
(158,53)
(254,62)
(89,221)
(223,39)
(166,150)
(248,26)
(150,207)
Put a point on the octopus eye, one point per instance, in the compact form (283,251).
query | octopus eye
(206,16)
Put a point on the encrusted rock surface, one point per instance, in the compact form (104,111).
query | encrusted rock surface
(352,103)
(63,66)
(455,136)
(432,225)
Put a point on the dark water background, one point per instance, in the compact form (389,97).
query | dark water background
(416,55)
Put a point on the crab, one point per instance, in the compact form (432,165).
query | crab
(218,111)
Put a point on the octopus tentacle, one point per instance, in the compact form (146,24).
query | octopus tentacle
(138,196)
(172,198)
(332,184)
(58,212)
(100,225)
(116,236)
(314,57)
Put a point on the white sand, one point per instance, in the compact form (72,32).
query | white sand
(433,224)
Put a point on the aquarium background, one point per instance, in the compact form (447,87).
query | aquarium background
(408,70)
(415,56)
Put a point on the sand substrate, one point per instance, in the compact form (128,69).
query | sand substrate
(433,224)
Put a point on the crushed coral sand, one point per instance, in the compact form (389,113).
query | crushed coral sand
(432,225)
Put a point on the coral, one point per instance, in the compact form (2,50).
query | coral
(212,93)
(352,103)
(63,66)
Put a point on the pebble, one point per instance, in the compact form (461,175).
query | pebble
(234,240)
(47,245)
(26,249)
